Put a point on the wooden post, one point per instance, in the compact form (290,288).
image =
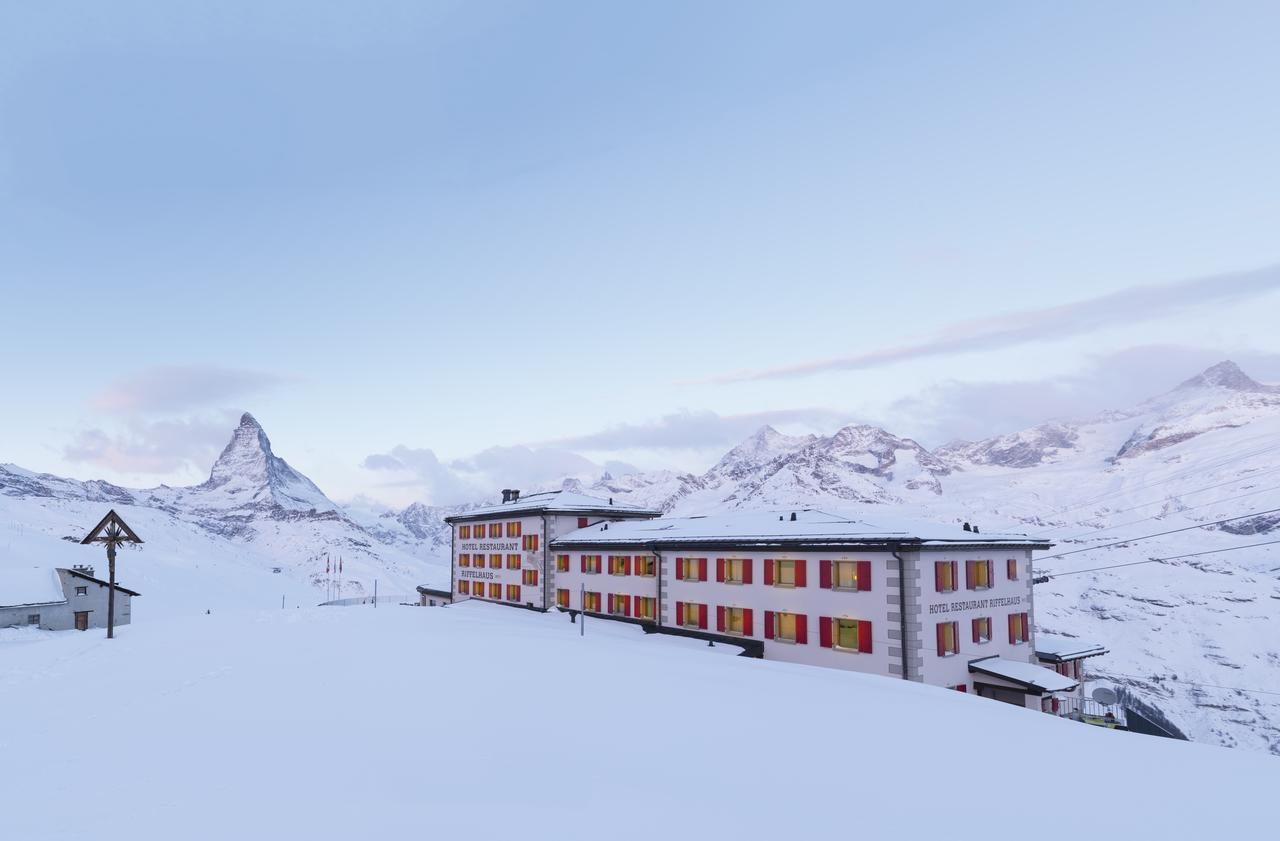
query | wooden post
(111,590)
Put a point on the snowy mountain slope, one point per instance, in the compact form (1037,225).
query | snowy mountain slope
(260,723)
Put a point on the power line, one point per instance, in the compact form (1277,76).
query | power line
(1040,579)
(1152,678)
(1159,534)
(1158,516)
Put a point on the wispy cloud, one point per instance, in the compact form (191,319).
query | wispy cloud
(181,388)
(697,430)
(1138,303)
(159,448)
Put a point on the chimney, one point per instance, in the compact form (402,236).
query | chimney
(506,495)
(968,527)
(515,494)
(611,500)
(793,516)
(83,569)
(606,527)
(975,529)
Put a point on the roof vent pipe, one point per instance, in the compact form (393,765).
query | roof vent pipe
(611,500)
(606,526)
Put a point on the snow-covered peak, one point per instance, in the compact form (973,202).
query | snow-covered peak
(763,446)
(1225,375)
(249,474)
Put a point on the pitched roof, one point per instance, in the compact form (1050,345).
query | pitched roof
(810,526)
(78,574)
(1057,649)
(1029,675)
(556,502)
(29,585)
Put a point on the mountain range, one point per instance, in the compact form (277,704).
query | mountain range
(1194,636)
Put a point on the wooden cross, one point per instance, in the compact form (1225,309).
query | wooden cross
(112,531)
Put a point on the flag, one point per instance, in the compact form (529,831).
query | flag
(326,564)
(339,564)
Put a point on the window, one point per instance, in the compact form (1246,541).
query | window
(530,578)
(495,590)
(464,560)
(513,562)
(619,604)
(82,591)
(982,629)
(562,563)
(944,576)
(495,562)
(784,573)
(845,634)
(845,575)
(977,575)
(591,602)
(691,615)
(513,592)
(646,608)
(530,543)
(33,619)
(464,587)
(619,564)
(1011,569)
(734,620)
(733,570)
(513,529)
(591,564)
(646,565)
(691,569)
(464,532)
(948,638)
(562,598)
(582,522)
(1019,628)
(786,627)
(495,530)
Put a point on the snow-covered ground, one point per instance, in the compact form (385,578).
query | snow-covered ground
(480,721)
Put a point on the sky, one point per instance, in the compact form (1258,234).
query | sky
(439,246)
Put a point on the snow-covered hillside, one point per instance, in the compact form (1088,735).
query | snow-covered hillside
(330,723)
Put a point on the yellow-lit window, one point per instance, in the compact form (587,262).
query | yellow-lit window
(646,565)
(784,625)
(591,563)
(691,569)
(530,543)
(979,575)
(734,620)
(785,575)
(646,608)
(530,577)
(495,590)
(562,563)
(846,575)
(464,532)
(495,562)
(495,530)
(846,635)
(692,615)
(513,529)
(464,560)
(619,564)
(464,587)
(944,576)
(513,562)
(562,598)
(513,592)
(733,571)
(948,639)
(591,602)
(1019,628)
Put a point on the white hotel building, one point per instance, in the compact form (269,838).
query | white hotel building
(804,586)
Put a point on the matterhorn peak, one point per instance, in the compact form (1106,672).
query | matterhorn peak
(249,420)
(1225,374)
(249,473)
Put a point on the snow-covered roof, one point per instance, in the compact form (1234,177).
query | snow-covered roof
(1056,648)
(810,526)
(556,502)
(29,585)
(1030,675)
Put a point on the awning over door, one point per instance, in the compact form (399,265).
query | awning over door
(1029,676)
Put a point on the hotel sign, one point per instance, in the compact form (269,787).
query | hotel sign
(477,573)
(490,546)
(975,604)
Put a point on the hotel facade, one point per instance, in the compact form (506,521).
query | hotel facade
(942,605)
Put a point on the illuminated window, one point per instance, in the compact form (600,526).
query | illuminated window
(948,639)
(513,562)
(495,562)
(733,570)
(513,529)
(530,543)
(591,563)
(646,608)
(944,576)
(846,634)
(464,587)
(1019,628)
(619,564)
(464,532)
(982,629)
(513,592)
(784,573)
(734,620)
(464,560)
(562,563)
(691,569)
(591,602)
(619,604)
(646,565)
(785,626)
(495,530)
(531,577)
(495,590)
(977,575)
(562,598)
(846,575)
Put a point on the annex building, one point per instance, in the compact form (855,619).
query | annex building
(938,604)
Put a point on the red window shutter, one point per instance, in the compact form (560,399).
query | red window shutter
(768,582)
(719,617)
(583,560)
(626,605)
(702,569)
(824,628)
(720,570)
(1012,630)
(968,574)
(611,602)
(702,616)
(955,572)
(824,574)
(802,628)
(582,522)
(991,572)
(679,569)
(942,641)
(746,571)
(864,636)
(937,576)
(864,575)
(679,613)
(626,565)
(976,635)
(747,630)
(800,580)
(1026,627)
(768,624)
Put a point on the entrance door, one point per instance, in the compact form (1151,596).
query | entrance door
(82,620)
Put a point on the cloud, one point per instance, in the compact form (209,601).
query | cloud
(1121,380)
(698,430)
(161,447)
(180,388)
(1127,306)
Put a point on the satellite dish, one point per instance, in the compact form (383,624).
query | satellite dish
(1105,695)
